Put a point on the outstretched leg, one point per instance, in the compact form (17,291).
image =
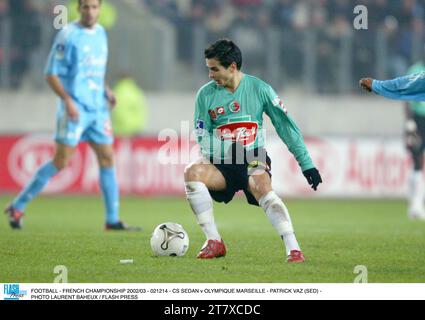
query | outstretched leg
(16,209)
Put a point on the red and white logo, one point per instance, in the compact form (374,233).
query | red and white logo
(244,133)
(235,106)
(283,107)
(220,110)
(277,102)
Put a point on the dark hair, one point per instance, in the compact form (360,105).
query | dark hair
(225,52)
(80,2)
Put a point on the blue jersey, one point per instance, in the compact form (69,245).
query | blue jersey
(79,58)
(411,87)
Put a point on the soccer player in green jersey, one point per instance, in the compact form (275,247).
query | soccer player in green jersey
(228,120)
(415,143)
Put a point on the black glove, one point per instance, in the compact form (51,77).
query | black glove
(313,177)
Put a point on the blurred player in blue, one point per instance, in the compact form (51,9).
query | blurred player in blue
(75,71)
(410,87)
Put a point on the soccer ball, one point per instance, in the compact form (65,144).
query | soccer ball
(169,239)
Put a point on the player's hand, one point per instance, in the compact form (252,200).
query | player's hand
(72,110)
(313,177)
(110,96)
(366,84)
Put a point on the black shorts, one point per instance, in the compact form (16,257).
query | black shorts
(237,175)
(420,123)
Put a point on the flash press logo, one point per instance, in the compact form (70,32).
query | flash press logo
(13,292)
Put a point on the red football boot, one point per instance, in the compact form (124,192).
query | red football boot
(295,256)
(212,249)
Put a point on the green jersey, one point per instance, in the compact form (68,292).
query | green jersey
(223,118)
(417,107)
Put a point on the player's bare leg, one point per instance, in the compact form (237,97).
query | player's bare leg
(261,188)
(63,155)
(109,186)
(199,177)
(15,211)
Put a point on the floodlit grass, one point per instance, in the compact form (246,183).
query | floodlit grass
(335,236)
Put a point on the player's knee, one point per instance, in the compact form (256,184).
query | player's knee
(60,162)
(194,172)
(106,162)
(106,159)
(260,190)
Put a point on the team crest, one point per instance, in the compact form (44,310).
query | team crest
(60,51)
(220,111)
(235,106)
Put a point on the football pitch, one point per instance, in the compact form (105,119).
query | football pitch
(335,235)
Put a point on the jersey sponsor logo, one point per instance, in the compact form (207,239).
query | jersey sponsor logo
(95,61)
(244,133)
(235,106)
(213,114)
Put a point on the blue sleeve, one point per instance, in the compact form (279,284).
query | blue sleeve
(411,87)
(60,57)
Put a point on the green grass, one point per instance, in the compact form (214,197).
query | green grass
(335,236)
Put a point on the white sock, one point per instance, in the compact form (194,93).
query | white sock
(201,202)
(416,192)
(278,215)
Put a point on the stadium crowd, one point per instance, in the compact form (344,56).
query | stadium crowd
(328,22)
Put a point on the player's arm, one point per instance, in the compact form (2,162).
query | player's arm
(58,65)
(291,135)
(202,123)
(57,87)
(410,87)
(210,145)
